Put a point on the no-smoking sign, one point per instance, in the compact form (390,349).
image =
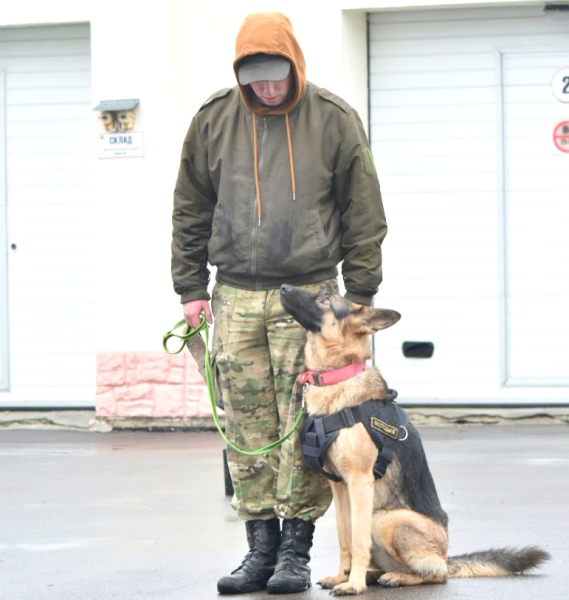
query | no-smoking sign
(561,136)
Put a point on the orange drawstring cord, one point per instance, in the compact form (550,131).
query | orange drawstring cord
(290,158)
(256,159)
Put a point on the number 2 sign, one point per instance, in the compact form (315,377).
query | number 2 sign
(560,85)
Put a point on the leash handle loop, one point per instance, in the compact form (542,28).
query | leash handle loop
(186,334)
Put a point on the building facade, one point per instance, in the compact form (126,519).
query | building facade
(467,108)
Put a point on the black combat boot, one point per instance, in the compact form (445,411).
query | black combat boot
(259,563)
(292,573)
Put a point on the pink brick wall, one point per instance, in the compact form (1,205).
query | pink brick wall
(150,384)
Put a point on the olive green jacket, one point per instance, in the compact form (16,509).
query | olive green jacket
(335,217)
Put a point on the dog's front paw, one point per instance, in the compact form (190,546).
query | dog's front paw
(348,589)
(327,583)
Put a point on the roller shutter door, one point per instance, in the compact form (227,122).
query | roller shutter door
(49,357)
(462,121)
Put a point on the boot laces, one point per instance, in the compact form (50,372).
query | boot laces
(289,554)
(256,538)
(245,562)
(286,560)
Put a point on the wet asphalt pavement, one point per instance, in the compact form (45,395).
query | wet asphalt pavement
(142,515)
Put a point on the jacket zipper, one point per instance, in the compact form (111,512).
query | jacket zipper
(254,220)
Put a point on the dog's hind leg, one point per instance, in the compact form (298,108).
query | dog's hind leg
(342,506)
(398,579)
(416,546)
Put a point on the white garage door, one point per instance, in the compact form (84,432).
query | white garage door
(48,358)
(536,215)
(475,190)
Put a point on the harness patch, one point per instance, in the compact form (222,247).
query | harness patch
(381,418)
(389,430)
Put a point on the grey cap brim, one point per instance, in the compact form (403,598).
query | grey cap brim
(263,68)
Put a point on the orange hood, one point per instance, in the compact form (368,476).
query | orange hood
(270,33)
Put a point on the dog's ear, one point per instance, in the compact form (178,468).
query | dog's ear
(369,320)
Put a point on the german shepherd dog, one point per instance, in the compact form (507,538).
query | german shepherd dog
(391,530)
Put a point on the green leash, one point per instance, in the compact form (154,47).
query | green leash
(188,333)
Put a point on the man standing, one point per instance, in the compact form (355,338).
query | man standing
(276,185)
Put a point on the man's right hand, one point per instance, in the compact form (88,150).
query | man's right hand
(193,311)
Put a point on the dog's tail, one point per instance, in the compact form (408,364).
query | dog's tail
(497,562)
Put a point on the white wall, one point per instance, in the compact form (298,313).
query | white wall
(172,60)
(38,12)
(172,56)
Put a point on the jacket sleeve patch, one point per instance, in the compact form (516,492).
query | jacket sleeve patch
(369,165)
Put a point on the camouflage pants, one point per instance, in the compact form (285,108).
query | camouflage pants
(258,351)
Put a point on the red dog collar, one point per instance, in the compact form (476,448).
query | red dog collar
(331,377)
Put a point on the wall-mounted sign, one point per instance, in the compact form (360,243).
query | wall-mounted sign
(129,144)
(560,85)
(561,136)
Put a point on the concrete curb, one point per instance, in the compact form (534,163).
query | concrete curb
(78,420)
(488,416)
(86,420)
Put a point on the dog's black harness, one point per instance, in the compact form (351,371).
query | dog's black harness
(383,419)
